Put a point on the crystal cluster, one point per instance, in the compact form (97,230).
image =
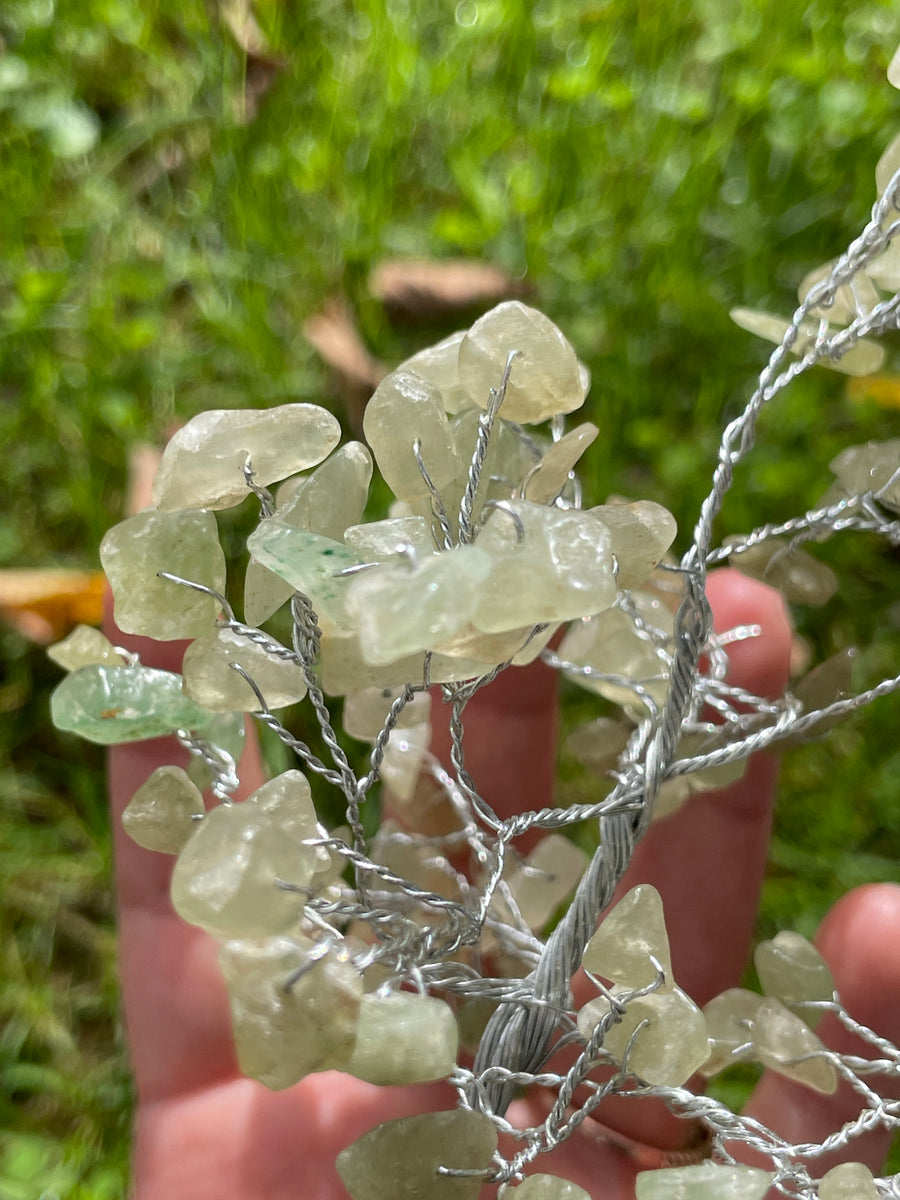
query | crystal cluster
(379,954)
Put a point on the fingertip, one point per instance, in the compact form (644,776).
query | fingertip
(860,941)
(759,664)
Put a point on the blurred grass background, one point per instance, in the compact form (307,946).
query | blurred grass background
(174,209)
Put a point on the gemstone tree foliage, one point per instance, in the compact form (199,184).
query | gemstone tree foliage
(382,955)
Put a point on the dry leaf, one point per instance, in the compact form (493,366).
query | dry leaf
(335,338)
(262,64)
(424,289)
(45,605)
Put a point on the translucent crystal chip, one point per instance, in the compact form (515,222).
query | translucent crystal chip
(283,1033)
(550,475)
(548,875)
(439,365)
(161,813)
(850,299)
(547,564)
(791,969)
(863,358)
(403,757)
(226,878)
(211,680)
(801,578)
(632,931)
(286,800)
(326,502)
(668,1049)
(225,732)
(598,744)
(548,1187)
(869,468)
(111,705)
(399,1159)
(405,409)
(308,562)
(203,464)
(705,1181)
(784,1042)
(614,652)
(888,164)
(401,610)
(404,1038)
(333,496)
(848,1181)
(885,268)
(545,377)
(379,541)
(640,535)
(343,669)
(366,711)
(184,544)
(729,1022)
(85,647)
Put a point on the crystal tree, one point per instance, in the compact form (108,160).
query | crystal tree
(380,955)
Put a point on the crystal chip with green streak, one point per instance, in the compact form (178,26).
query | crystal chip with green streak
(110,705)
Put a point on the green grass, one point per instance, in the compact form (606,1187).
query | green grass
(644,167)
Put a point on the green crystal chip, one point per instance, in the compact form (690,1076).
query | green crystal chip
(111,705)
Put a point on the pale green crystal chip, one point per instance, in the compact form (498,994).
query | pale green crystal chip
(404,1038)
(863,358)
(640,535)
(800,577)
(439,365)
(868,468)
(399,1160)
(110,705)
(889,162)
(729,1022)
(378,541)
(366,711)
(403,757)
(848,1181)
(780,1037)
(287,802)
(85,647)
(705,1181)
(556,567)
(548,875)
(326,502)
(850,299)
(548,1187)
(203,464)
(225,879)
(308,562)
(406,408)
(282,1034)
(400,610)
(161,813)
(670,1047)
(545,378)
(792,970)
(184,544)
(550,475)
(629,934)
(610,645)
(598,744)
(211,680)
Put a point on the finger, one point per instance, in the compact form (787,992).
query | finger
(176,1010)
(510,741)
(859,941)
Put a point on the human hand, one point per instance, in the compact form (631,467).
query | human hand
(205,1130)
